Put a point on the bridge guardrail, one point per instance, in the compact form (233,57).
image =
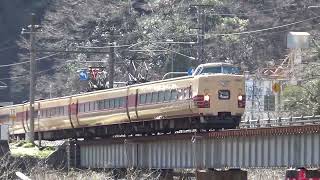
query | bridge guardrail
(281,121)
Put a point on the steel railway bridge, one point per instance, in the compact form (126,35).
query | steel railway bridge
(272,143)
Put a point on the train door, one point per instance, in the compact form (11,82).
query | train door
(25,118)
(12,117)
(73,113)
(132,100)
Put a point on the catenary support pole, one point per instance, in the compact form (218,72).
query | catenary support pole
(111,60)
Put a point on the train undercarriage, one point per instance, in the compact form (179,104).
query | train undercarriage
(145,128)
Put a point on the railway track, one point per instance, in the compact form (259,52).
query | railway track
(264,127)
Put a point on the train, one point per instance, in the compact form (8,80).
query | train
(213,97)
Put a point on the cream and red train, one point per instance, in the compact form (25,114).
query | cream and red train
(212,98)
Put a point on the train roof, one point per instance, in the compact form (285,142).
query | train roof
(105,90)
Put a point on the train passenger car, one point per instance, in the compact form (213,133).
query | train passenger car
(213,97)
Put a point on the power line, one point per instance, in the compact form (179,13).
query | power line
(263,10)
(262,30)
(115,46)
(25,62)
(5,48)
(5,42)
(27,76)
(14,64)
(250,14)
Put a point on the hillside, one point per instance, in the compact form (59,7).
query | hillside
(249,33)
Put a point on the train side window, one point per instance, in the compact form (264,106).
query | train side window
(121,100)
(180,94)
(65,112)
(96,105)
(66,109)
(167,95)
(57,111)
(142,98)
(50,112)
(117,102)
(81,107)
(89,107)
(161,96)
(42,113)
(174,95)
(187,93)
(61,111)
(111,103)
(53,111)
(86,107)
(149,98)
(155,97)
(124,102)
(106,104)
(100,104)
(47,113)
(92,106)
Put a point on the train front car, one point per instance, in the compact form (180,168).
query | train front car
(218,95)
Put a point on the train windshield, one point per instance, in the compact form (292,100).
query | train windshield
(220,69)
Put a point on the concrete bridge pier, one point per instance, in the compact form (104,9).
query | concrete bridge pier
(119,173)
(166,174)
(212,174)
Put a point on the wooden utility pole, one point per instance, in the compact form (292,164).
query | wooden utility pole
(200,34)
(111,59)
(201,23)
(30,134)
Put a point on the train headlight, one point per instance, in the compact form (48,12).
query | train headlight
(206,98)
(241,101)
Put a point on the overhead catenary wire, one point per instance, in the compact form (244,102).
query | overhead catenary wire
(27,76)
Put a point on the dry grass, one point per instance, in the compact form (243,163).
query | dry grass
(22,148)
(36,169)
(266,174)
